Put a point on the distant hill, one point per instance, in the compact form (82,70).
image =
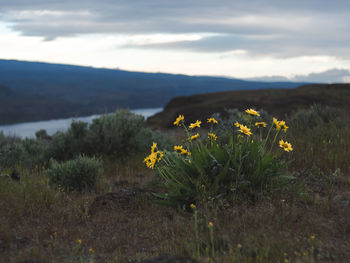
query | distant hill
(279,102)
(20,107)
(45,91)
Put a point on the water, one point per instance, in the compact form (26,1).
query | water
(28,129)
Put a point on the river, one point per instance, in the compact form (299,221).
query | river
(28,129)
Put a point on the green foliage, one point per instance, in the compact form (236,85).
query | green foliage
(314,116)
(116,135)
(28,152)
(10,155)
(42,135)
(230,116)
(246,165)
(77,174)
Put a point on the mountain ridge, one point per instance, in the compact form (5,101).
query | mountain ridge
(280,102)
(88,90)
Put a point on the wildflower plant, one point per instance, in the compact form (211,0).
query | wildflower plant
(205,168)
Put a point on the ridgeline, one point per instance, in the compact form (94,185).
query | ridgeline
(281,102)
(33,91)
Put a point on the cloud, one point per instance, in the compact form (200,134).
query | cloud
(259,27)
(329,76)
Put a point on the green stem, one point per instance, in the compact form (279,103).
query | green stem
(196,232)
(268,135)
(274,140)
(212,241)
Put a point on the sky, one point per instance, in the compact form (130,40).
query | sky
(234,38)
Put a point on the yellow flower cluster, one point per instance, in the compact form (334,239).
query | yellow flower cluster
(178,120)
(154,157)
(280,124)
(212,136)
(180,149)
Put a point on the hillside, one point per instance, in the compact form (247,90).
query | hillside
(76,90)
(17,106)
(279,101)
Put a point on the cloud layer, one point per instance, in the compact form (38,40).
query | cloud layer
(256,27)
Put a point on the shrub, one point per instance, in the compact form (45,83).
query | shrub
(115,135)
(27,152)
(42,135)
(207,170)
(77,174)
(10,155)
(69,144)
(314,116)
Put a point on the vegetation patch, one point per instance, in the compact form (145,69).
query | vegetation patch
(77,174)
(206,168)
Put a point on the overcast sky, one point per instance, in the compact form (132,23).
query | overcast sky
(198,37)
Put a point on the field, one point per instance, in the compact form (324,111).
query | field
(119,219)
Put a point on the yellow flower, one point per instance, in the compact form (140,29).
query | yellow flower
(277,123)
(283,124)
(260,124)
(151,160)
(237,124)
(154,157)
(178,120)
(210,224)
(196,124)
(244,129)
(212,136)
(212,120)
(193,206)
(286,146)
(181,150)
(194,137)
(154,146)
(178,147)
(313,237)
(239,246)
(252,112)
(79,241)
(91,250)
